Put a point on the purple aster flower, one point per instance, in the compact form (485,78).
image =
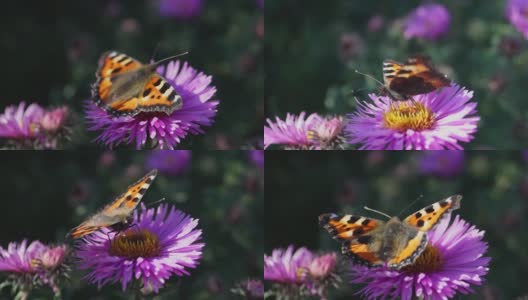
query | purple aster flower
(313,133)
(301,273)
(169,162)
(441,163)
(257,156)
(181,9)
(452,262)
(21,122)
(162,242)
(517,13)
(286,265)
(427,21)
(260,3)
(33,127)
(51,267)
(327,134)
(161,130)
(434,121)
(33,265)
(17,257)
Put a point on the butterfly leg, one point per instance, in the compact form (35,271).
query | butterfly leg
(108,236)
(136,225)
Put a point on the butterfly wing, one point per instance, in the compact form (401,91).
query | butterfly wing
(124,204)
(159,95)
(112,66)
(93,224)
(411,244)
(124,86)
(357,234)
(415,77)
(426,218)
(118,210)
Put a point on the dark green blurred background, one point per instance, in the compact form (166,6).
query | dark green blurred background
(301,186)
(48,193)
(50,50)
(309,67)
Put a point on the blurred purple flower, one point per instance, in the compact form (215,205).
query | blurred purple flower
(321,273)
(162,243)
(286,265)
(169,162)
(434,121)
(260,3)
(441,163)
(165,131)
(350,46)
(511,46)
(257,157)
(525,155)
(517,13)
(428,21)
(313,133)
(33,127)
(375,23)
(181,9)
(55,119)
(322,266)
(250,289)
(452,261)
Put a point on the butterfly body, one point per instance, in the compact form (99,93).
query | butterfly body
(118,214)
(126,87)
(395,243)
(416,76)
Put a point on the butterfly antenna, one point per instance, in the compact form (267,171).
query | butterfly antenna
(371,77)
(376,211)
(411,204)
(169,58)
(155,202)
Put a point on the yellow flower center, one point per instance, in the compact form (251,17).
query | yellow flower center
(402,116)
(133,244)
(429,261)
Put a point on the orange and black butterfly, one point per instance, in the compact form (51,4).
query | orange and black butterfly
(394,243)
(118,214)
(126,87)
(416,76)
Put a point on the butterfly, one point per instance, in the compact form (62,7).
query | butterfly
(117,214)
(395,244)
(126,87)
(416,76)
